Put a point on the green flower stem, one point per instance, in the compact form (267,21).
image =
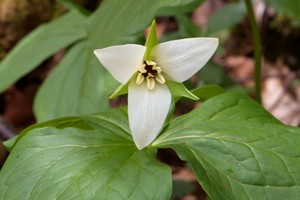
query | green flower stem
(257,49)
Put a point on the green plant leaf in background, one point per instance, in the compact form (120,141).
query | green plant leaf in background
(178,8)
(286,7)
(39,45)
(71,5)
(212,74)
(229,15)
(237,149)
(181,188)
(92,157)
(215,74)
(187,27)
(208,91)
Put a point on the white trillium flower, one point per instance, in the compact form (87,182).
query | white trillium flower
(149,98)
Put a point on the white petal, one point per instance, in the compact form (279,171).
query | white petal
(181,59)
(147,111)
(121,61)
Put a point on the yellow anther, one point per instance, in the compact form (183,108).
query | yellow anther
(142,69)
(140,78)
(150,75)
(159,78)
(157,69)
(150,83)
(148,62)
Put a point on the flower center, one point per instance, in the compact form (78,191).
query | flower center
(151,72)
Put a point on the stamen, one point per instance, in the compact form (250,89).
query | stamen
(140,78)
(150,63)
(157,69)
(142,69)
(150,83)
(160,78)
(150,75)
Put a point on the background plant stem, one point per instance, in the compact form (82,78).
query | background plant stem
(257,49)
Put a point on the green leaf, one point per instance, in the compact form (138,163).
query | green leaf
(179,90)
(80,85)
(133,17)
(71,5)
(74,87)
(151,41)
(208,91)
(212,73)
(237,149)
(286,7)
(71,162)
(181,188)
(178,7)
(186,27)
(226,17)
(39,45)
(58,123)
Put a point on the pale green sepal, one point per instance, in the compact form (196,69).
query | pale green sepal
(208,91)
(151,40)
(179,90)
(122,89)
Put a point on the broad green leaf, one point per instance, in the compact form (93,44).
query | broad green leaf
(187,28)
(40,44)
(208,91)
(181,188)
(80,85)
(215,74)
(237,149)
(71,5)
(92,158)
(58,123)
(226,17)
(108,28)
(212,74)
(286,7)
(178,7)
(74,87)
